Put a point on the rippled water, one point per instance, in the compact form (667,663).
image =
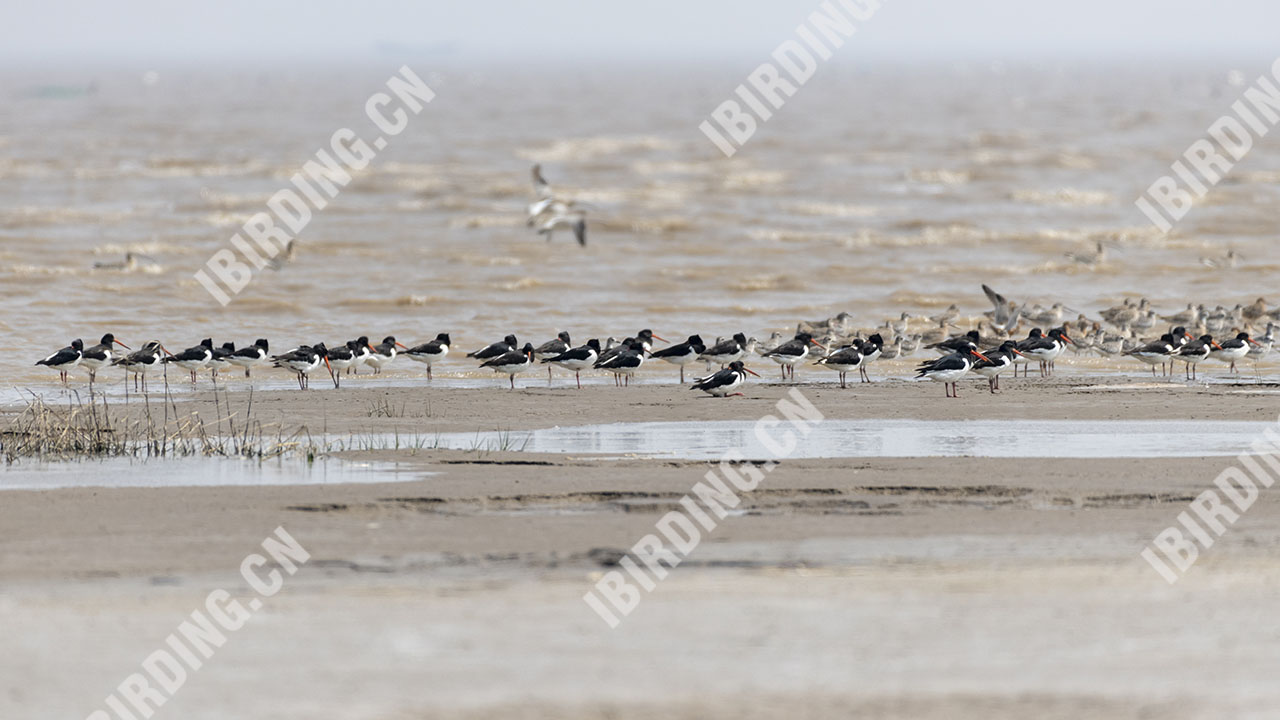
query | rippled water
(887,438)
(875,190)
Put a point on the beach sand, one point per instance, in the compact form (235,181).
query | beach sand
(865,587)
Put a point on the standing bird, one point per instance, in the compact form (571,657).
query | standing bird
(304,361)
(950,368)
(625,362)
(577,359)
(1232,350)
(430,352)
(552,348)
(383,353)
(247,357)
(101,354)
(512,363)
(140,361)
(967,341)
(723,353)
(996,363)
(682,353)
(791,352)
(493,350)
(362,350)
(1195,352)
(844,360)
(1046,349)
(872,347)
(1155,353)
(220,357)
(344,356)
(194,358)
(65,359)
(723,382)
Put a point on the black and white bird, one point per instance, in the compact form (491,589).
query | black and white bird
(493,350)
(94,358)
(362,350)
(967,341)
(344,356)
(577,359)
(1155,353)
(430,352)
(65,359)
(996,362)
(248,357)
(383,353)
(1046,349)
(194,358)
(303,361)
(625,362)
(725,352)
(512,363)
(220,358)
(791,352)
(724,382)
(1195,352)
(950,368)
(138,362)
(552,348)
(682,353)
(871,348)
(1234,349)
(844,360)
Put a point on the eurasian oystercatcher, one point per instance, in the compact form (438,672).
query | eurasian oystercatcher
(950,368)
(247,357)
(430,352)
(140,361)
(304,361)
(552,348)
(871,350)
(1232,350)
(577,359)
(383,353)
(967,341)
(219,359)
(194,358)
(843,360)
(682,353)
(723,353)
(1195,352)
(95,357)
(996,363)
(625,362)
(1045,349)
(362,350)
(1155,353)
(65,359)
(791,352)
(512,363)
(343,357)
(493,350)
(722,383)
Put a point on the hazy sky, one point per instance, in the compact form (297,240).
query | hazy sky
(234,31)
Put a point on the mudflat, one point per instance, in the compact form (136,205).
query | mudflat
(928,587)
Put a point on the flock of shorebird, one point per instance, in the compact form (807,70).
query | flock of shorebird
(834,343)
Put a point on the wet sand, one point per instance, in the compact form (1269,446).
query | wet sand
(868,587)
